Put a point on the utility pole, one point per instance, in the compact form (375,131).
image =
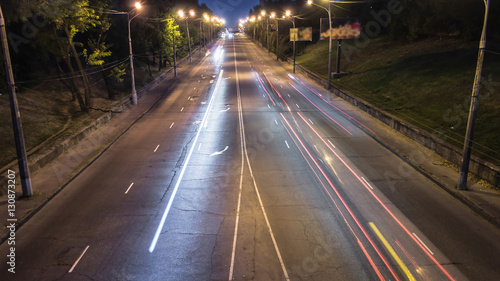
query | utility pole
(464,168)
(294,39)
(277,39)
(329,86)
(189,41)
(22,159)
(175,51)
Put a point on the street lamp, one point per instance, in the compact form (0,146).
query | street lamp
(252,19)
(273,16)
(131,57)
(207,19)
(289,14)
(200,32)
(263,13)
(464,167)
(329,87)
(181,15)
(22,159)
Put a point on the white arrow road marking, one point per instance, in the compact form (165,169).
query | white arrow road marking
(219,152)
(224,110)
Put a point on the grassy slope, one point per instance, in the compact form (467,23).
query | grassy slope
(46,107)
(427,83)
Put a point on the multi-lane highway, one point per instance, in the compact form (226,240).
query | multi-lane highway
(246,172)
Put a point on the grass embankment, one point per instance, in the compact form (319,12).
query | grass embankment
(47,108)
(427,83)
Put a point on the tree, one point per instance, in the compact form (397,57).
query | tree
(66,20)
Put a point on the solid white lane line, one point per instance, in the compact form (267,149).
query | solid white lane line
(129,187)
(183,170)
(287,144)
(297,105)
(311,121)
(172,125)
(366,182)
(76,262)
(331,143)
(199,146)
(156,148)
(238,205)
(275,121)
(423,244)
(244,145)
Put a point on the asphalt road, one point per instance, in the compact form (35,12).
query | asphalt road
(245,172)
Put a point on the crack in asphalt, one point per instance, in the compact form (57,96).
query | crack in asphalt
(215,246)
(169,185)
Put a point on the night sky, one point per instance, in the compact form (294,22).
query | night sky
(231,10)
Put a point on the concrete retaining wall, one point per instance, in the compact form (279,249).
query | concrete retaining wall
(480,168)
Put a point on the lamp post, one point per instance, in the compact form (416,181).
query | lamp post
(260,37)
(288,14)
(175,51)
(200,32)
(181,15)
(310,2)
(131,56)
(464,168)
(22,159)
(263,13)
(207,19)
(252,19)
(273,16)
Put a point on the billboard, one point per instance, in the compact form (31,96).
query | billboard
(342,28)
(301,34)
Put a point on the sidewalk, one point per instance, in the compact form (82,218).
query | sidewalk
(48,181)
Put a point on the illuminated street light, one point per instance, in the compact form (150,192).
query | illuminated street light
(131,56)
(329,87)
(181,15)
(289,14)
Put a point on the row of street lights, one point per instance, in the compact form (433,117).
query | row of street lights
(466,155)
(291,18)
(288,16)
(136,11)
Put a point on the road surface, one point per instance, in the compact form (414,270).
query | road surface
(247,172)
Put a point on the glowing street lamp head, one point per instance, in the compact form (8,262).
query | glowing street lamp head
(223,21)
(180,13)
(288,13)
(206,16)
(309,2)
(273,15)
(263,13)
(138,5)
(191,13)
(259,17)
